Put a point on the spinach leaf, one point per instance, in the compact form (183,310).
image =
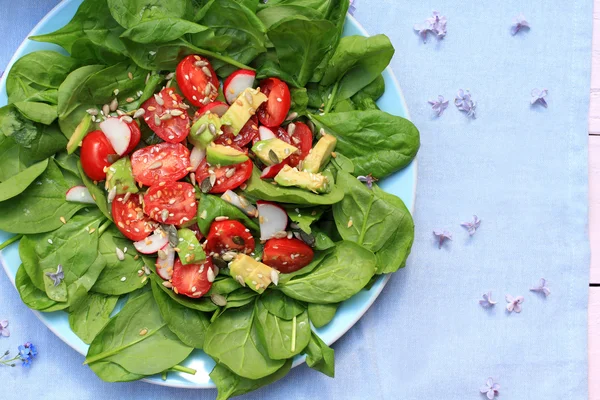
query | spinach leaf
(318,258)
(161,30)
(304,217)
(37,112)
(224,286)
(18,183)
(138,340)
(15,125)
(41,206)
(380,222)
(273,15)
(299,100)
(321,314)
(373,90)
(322,240)
(232,339)
(230,385)
(344,163)
(319,356)
(189,325)
(211,207)
(240,297)
(91,314)
(98,194)
(344,271)
(129,13)
(67,162)
(33,297)
(202,304)
(280,305)
(392,141)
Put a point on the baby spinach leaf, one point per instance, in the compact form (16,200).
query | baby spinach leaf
(37,112)
(15,125)
(321,314)
(232,339)
(161,30)
(224,286)
(240,297)
(113,372)
(392,141)
(19,182)
(299,100)
(304,217)
(202,304)
(319,356)
(91,314)
(189,325)
(33,297)
(344,271)
(380,222)
(280,305)
(273,15)
(138,340)
(129,13)
(373,90)
(318,258)
(211,207)
(98,194)
(322,241)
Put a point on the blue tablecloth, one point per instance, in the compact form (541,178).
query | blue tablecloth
(521,169)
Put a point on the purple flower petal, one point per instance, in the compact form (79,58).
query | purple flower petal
(4,323)
(465,103)
(436,24)
(442,236)
(538,97)
(519,23)
(490,394)
(439,105)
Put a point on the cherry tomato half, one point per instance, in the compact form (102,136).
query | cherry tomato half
(162,162)
(273,112)
(248,133)
(136,135)
(130,219)
(302,138)
(171,203)
(192,279)
(169,120)
(96,154)
(229,235)
(197,80)
(241,173)
(287,255)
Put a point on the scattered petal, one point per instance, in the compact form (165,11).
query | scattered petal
(487,300)
(472,227)
(369,179)
(542,288)
(465,103)
(490,389)
(58,276)
(514,304)
(352,7)
(538,96)
(3,328)
(442,236)
(519,23)
(439,105)
(435,24)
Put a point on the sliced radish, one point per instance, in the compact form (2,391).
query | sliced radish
(265,133)
(196,157)
(272,219)
(216,107)
(240,202)
(152,243)
(272,171)
(237,82)
(80,194)
(164,262)
(118,134)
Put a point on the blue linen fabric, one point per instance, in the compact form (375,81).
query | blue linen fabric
(521,169)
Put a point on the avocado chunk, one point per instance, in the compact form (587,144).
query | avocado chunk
(289,176)
(243,109)
(205,130)
(273,151)
(320,155)
(189,249)
(120,175)
(247,271)
(217,154)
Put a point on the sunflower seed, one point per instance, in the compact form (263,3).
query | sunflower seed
(92,111)
(206,186)
(157,120)
(168,285)
(114,105)
(292,116)
(164,214)
(207,90)
(120,254)
(240,280)
(213,179)
(130,75)
(219,263)
(210,275)
(139,113)
(228,256)
(112,194)
(280,235)
(146,270)
(165,116)
(200,63)
(291,129)
(307,238)
(212,128)
(170,75)
(155,165)
(159,100)
(127,118)
(106,110)
(273,157)
(221,218)
(176,113)
(321,132)
(274,277)
(218,299)
(120,113)
(126,197)
(238,240)
(207,71)
(201,129)
(249,98)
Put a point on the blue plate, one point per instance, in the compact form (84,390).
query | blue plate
(402,184)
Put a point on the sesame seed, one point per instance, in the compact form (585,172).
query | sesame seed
(123,279)
(207,71)
(210,275)
(221,218)
(279,100)
(151,108)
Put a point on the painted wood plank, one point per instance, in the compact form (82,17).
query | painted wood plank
(594,343)
(594,202)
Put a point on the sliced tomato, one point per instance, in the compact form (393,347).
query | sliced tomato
(130,219)
(272,171)
(169,120)
(192,279)
(287,255)
(248,133)
(241,174)
(96,155)
(163,162)
(216,107)
(229,235)
(302,138)
(273,112)
(194,74)
(171,203)
(136,135)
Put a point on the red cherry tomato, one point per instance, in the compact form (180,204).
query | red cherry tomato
(163,162)
(172,129)
(241,174)
(193,79)
(287,255)
(192,279)
(130,219)
(95,153)
(273,112)
(136,135)
(229,235)
(171,203)
(302,138)
(272,171)
(248,133)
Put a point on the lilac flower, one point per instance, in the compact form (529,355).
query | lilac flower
(519,23)
(439,105)
(27,353)
(514,304)
(369,179)
(3,328)
(490,389)
(463,102)
(436,24)
(537,96)
(487,300)
(542,288)
(472,227)
(442,236)
(58,276)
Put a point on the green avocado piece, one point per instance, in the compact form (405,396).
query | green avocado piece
(247,271)
(289,176)
(224,155)
(243,109)
(189,249)
(120,175)
(205,130)
(273,151)
(320,155)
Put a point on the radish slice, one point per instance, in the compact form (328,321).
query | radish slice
(265,133)
(272,219)
(152,243)
(196,156)
(118,134)
(240,202)
(272,171)
(164,266)
(80,194)
(216,107)
(237,82)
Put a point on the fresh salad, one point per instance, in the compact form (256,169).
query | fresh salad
(208,169)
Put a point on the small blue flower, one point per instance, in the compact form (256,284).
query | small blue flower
(538,96)
(27,353)
(442,236)
(464,103)
(519,23)
(58,276)
(439,105)
(368,180)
